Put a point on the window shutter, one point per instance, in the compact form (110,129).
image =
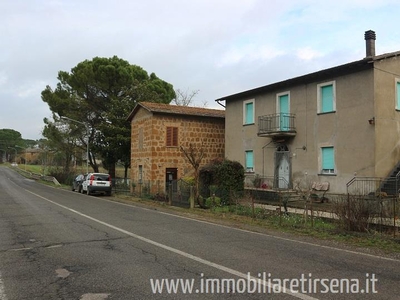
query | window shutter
(172,136)
(398,95)
(328,159)
(175,136)
(327,98)
(249,159)
(249,113)
(169,136)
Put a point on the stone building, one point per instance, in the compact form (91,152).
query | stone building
(160,131)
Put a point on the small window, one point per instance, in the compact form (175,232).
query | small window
(249,161)
(326,97)
(172,136)
(140,173)
(248,112)
(398,94)
(328,160)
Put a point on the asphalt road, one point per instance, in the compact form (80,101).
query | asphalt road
(58,244)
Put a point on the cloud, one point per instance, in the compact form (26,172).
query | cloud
(308,53)
(219,47)
(3,79)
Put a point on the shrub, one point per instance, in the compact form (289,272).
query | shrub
(257,181)
(213,201)
(222,177)
(354,212)
(62,176)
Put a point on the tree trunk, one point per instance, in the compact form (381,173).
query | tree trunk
(111,171)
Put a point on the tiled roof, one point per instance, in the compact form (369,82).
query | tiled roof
(178,110)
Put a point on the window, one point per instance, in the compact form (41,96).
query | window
(328,160)
(248,112)
(172,136)
(398,94)
(326,97)
(249,161)
(140,173)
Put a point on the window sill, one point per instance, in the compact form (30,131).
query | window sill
(327,174)
(326,113)
(248,124)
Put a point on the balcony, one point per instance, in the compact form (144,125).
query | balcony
(277,125)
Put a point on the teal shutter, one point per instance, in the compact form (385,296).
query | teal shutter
(249,159)
(328,158)
(249,113)
(284,112)
(327,98)
(398,95)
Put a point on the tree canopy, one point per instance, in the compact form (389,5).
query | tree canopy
(99,94)
(10,142)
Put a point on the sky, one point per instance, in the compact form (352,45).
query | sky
(215,47)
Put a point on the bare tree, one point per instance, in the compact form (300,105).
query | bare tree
(185,98)
(195,156)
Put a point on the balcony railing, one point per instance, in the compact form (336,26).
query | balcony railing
(280,124)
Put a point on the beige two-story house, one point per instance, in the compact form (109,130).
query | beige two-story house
(160,131)
(324,127)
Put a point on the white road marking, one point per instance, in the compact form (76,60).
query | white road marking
(3,295)
(179,252)
(21,249)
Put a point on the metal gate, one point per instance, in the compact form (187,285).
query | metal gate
(179,191)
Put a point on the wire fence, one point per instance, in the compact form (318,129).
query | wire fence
(366,207)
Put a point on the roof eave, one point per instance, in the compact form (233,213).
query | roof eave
(352,67)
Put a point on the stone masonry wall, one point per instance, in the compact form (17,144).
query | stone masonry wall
(149,145)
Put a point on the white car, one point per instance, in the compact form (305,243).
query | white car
(97,183)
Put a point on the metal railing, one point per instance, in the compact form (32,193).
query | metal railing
(276,123)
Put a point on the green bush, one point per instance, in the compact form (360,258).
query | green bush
(222,178)
(213,201)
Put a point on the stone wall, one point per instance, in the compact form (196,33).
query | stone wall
(150,151)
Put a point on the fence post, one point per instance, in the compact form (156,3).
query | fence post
(394,217)
(170,194)
(252,207)
(312,212)
(280,208)
(348,212)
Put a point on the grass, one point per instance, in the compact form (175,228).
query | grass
(318,229)
(39,169)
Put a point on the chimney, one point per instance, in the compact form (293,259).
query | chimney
(370,38)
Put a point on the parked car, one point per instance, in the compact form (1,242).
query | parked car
(77,183)
(97,183)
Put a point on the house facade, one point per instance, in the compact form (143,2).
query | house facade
(323,127)
(160,131)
